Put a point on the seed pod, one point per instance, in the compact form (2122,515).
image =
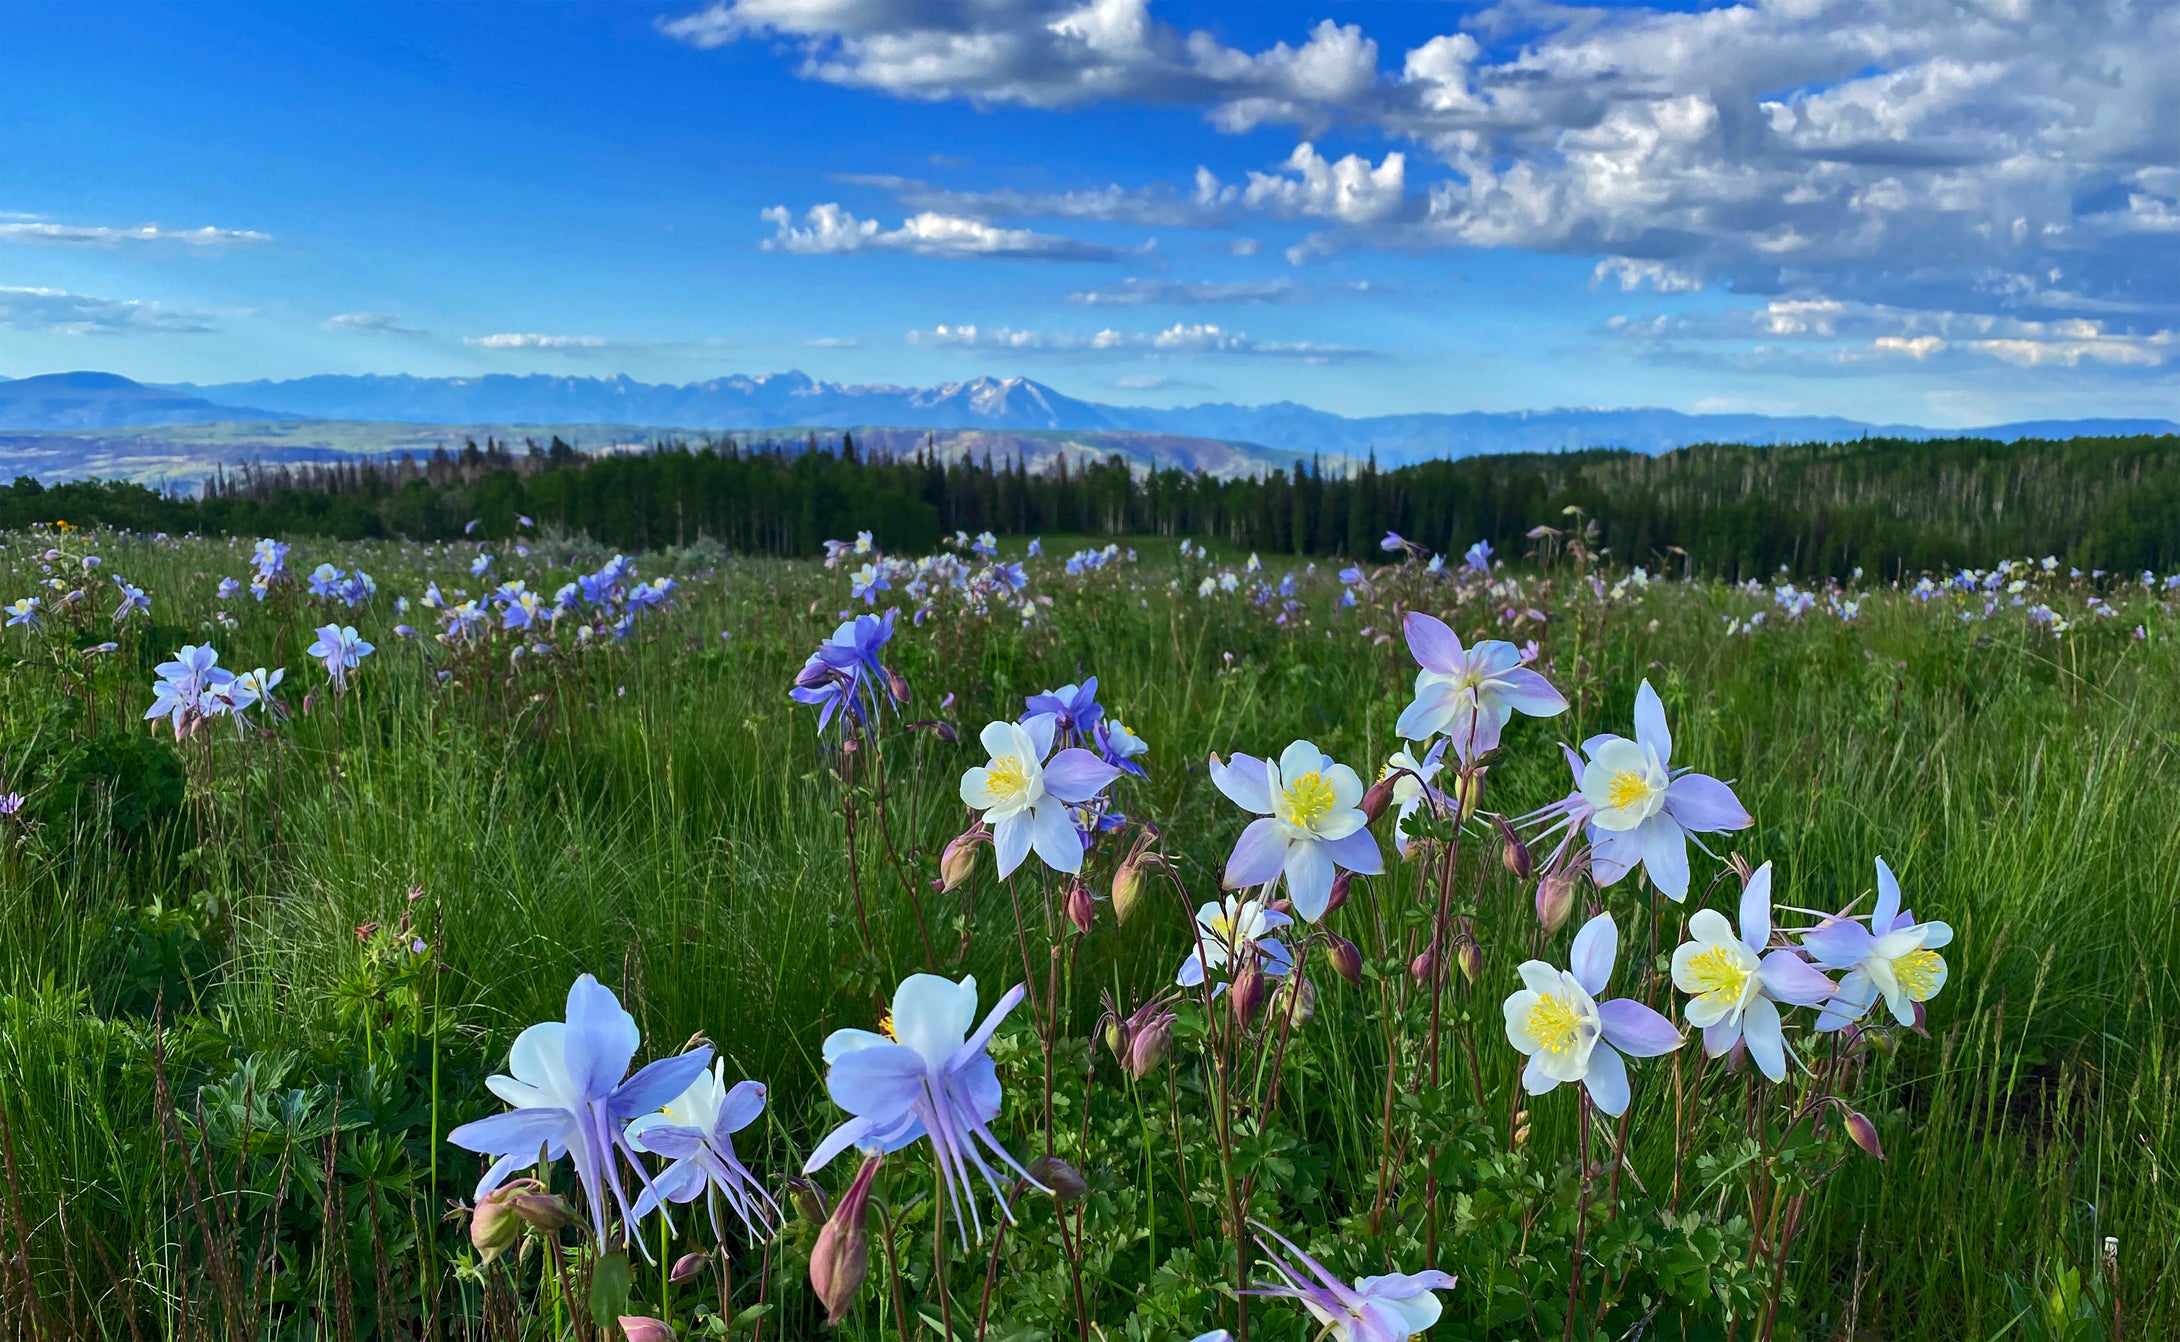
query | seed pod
(1346,958)
(1059,1176)
(1555,900)
(1863,1133)
(688,1267)
(840,1259)
(1081,908)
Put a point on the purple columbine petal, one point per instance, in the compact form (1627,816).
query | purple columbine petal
(1839,943)
(1767,1043)
(1633,1028)
(1040,727)
(1358,852)
(1596,946)
(660,1082)
(1258,857)
(1434,645)
(601,1037)
(1613,854)
(1054,836)
(1664,847)
(1245,783)
(1705,805)
(1883,916)
(1526,691)
(1010,841)
(1756,909)
(1794,980)
(1421,717)
(877,1083)
(1718,1038)
(1309,878)
(1076,775)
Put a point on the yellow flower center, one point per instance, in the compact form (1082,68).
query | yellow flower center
(1309,799)
(1918,973)
(1222,928)
(1629,787)
(1554,1024)
(885,1026)
(1718,971)
(1007,777)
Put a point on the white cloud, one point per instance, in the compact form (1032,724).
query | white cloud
(1139,292)
(81,235)
(1178,339)
(1839,331)
(369,323)
(532,340)
(1349,191)
(58,312)
(834,342)
(1633,274)
(829,229)
(1157,205)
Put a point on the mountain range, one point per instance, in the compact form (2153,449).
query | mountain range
(85,401)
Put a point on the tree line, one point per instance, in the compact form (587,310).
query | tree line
(1886,505)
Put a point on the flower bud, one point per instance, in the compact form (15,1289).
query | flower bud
(1863,1133)
(1117,1037)
(813,674)
(1555,900)
(1248,991)
(1129,876)
(688,1267)
(1345,956)
(638,1328)
(1468,789)
(840,1259)
(1059,1176)
(1513,853)
(1081,908)
(958,859)
(897,684)
(1339,890)
(1150,1047)
(1378,798)
(1295,1000)
(493,1225)
(1521,1128)
(544,1211)
(809,1199)
(1470,957)
(1424,965)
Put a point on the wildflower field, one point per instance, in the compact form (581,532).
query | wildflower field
(505,938)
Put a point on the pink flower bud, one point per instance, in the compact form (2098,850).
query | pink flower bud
(1248,991)
(637,1328)
(1082,910)
(1555,900)
(840,1259)
(1863,1133)
(1470,958)
(1379,797)
(1338,896)
(1346,958)
(1059,1176)
(1512,851)
(959,858)
(1424,965)
(688,1267)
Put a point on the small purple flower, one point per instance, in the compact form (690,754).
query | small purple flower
(11,803)
(1390,1308)
(132,600)
(844,675)
(227,589)
(189,688)
(341,649)
(1478,557)
(1074,708)
(1469,693)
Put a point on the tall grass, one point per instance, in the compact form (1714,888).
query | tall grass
(224,1090)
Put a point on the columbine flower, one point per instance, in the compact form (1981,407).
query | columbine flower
(189,687)
(1734,987)
(1226,932)
(1074,708)
(1641,809)
(844,675)
(132,600)
(11,803)
(1375,1309)
(1468,693)
(340,648)
(1569,1035)
(1120,746)
(866,583)
(1895,958)
(23,611)
(569,1097)
(1412,783)
(256,687)
(1026,798)
(1478,557)
(925,1076)
(1311,824)
(696,1131)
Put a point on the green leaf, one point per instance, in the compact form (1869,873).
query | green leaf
(609,1283)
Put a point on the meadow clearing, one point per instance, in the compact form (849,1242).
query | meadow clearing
(254,972)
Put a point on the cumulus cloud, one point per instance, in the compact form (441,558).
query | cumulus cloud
(58,312)
(83,235)
(1133,292)
(532,340)
(2010,157)
(829,229)
(1840,332)
(369,323)
(1178,339)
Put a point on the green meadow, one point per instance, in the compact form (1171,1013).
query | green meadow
(252,977)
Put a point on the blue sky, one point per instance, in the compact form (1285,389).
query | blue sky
(1909,210)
